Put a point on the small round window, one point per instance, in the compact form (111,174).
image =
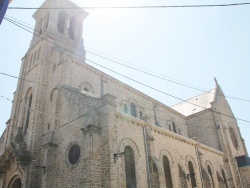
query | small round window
(74,154)
(233,137)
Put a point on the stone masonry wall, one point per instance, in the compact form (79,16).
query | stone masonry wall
(245,174)
(202,126)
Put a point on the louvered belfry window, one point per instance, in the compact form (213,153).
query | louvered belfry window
(72,28)
(62,22)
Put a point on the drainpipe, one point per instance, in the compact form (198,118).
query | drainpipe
(147,161)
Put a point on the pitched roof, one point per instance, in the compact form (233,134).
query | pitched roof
(203,100)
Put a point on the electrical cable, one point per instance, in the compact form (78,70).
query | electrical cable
(145,85)
(139,70)
(69,122)
(136,7)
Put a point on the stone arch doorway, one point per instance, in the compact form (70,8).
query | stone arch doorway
(15,183)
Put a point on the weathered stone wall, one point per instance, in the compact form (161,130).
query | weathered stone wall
(178,149)
(203,127)
(3,142)
(245,174)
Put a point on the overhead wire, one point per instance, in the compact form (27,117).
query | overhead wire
(145,85)
(71,121)
(139,70)
(72,91)
(136,7)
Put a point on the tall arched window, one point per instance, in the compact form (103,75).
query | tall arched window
(31,59)
(179,130)
(62,22)
(27,109)
(192,174)
(174,128)
(130,167)
(35,58)
(167,172)
(170,128)
(72,28)
(133,109)
(224,177)
(210,173)
(46,20)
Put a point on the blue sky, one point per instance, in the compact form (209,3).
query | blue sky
(192,45)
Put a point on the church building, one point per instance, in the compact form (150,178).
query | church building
(73,126)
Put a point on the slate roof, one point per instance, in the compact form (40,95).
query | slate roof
(202,100)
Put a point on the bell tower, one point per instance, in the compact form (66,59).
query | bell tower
(56,46)
(60,19)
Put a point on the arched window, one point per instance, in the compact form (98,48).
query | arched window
(35,57)
(17,183)
(210,173)
(167,172)
(62,22)
(179,130)
(130,167)
(46,20)
(125,108)
(133,109)
(174,128)
(192,174)
(141,114)
(170,128)
(27,109)
(31,59)
(72,28)
(224,178)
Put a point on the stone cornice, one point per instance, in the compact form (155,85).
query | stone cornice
(127,87)
(167,133)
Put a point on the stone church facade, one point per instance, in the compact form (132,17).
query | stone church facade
(72,125)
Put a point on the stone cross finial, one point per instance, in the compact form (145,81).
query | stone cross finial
(215,80)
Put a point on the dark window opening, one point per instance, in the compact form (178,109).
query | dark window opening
(141,114)
(72,28)
(210,173)
(27,114)
(133,109)
(192,174)
(125,108)
(61,22)
(179,131)
(130,167)
(74,154)
(167,172)
(174,128)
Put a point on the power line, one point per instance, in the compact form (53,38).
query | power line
(71,121)
(71,91)
(137,7)
(139,70)
(145,85)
